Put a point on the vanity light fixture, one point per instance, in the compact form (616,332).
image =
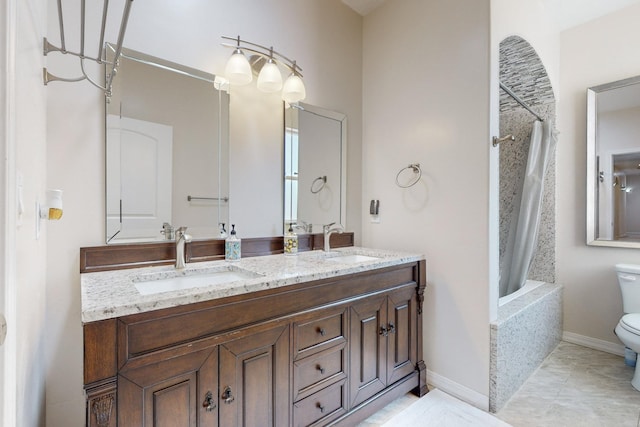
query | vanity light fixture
(269,76)
(293,90)
(270,79)
(238,70)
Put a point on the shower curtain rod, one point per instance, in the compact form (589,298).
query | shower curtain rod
(519,101)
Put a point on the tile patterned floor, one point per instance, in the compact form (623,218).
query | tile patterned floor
(574,387)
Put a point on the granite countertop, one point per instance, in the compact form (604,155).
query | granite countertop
(110,294)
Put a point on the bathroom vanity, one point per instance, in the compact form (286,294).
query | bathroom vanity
(314,339)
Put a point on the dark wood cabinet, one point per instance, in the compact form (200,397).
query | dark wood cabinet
(320,353)
(251,370)
(383,342)
(180,391)
(368,348)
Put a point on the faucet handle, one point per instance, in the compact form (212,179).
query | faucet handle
(326,226)
(168,231)
(180,231)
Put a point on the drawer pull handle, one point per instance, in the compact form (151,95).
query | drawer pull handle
(227,395)
(321,369)
(392,328)
(208,404)
(384,331)
(321,407)
(321,331)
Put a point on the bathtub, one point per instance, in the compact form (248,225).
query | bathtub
(528,286)
(528,328)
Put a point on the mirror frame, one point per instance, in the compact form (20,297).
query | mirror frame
(592,167)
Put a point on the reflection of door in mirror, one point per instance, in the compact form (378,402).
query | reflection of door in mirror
(315,178)
(613,217)
(139,162)
(183,181)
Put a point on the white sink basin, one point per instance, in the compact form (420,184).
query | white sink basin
(351,258)
(155,283)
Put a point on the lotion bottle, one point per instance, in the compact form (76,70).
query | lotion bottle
(232,246)
(290,241)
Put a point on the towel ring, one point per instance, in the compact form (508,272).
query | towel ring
(415,167)
(315,189)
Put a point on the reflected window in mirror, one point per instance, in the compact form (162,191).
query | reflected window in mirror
(613,170)
(166,151)
(291,176)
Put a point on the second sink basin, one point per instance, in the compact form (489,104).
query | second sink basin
(155,283)
(351,258)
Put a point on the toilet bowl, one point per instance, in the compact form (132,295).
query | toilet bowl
(628,331)
(628,328)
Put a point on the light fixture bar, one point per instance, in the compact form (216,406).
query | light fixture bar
(265,52)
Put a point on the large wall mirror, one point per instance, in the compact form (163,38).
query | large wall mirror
(315,149)
(166,151)
(613,164)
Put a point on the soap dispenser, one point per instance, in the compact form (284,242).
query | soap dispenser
(223,232)
(232,246)
(290,241)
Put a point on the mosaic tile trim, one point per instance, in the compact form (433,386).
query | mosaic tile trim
(522,71)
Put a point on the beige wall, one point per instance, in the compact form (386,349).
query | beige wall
(25,275)
(325,38)
(426,100)
(591,54)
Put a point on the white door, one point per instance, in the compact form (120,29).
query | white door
(140,171)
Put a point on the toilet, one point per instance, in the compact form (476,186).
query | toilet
(628,328)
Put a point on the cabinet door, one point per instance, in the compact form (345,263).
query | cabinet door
(402,337)
(254,379)
(174,392)
(368,374)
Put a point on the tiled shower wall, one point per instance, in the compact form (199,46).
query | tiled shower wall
(529,327)
(523,72)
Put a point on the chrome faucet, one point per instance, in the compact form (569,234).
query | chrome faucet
(328,231)
(181,238)
(304,226)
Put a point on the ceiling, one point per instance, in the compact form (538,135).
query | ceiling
(569,12)
(363,7)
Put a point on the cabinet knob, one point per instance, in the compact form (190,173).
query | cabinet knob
(321,331)
(227,395)
(320,368)
(321,407)
(208,404)
(384,331)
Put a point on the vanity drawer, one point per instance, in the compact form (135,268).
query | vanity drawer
(321,407)
(319,370)
(319,331)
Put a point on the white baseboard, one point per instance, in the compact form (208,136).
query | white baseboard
(472,397)
(594,343)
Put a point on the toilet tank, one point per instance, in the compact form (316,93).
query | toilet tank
(629,280)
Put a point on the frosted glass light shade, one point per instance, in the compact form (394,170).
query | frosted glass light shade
(270,79)
(293,90)
(238,70)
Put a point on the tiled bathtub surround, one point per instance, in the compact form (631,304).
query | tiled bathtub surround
(527,330)
(523,72)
